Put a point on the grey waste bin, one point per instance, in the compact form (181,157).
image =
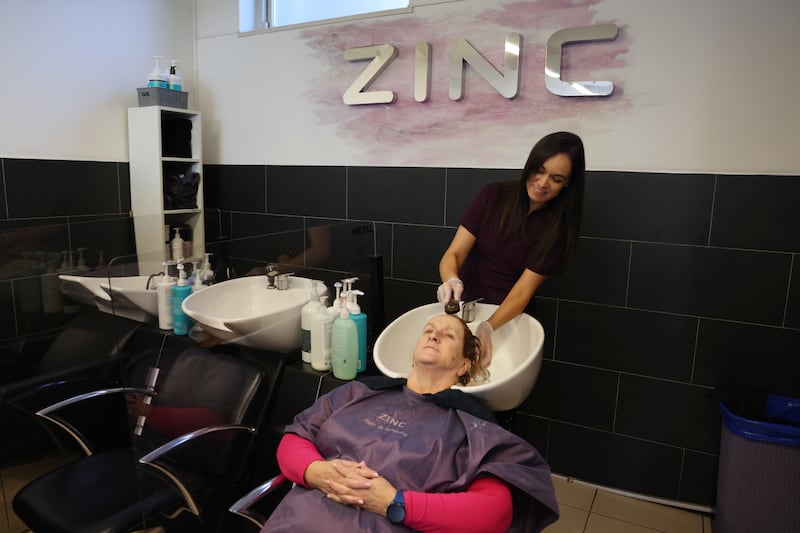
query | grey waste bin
(758,488)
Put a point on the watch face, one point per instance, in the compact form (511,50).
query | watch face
(396,513)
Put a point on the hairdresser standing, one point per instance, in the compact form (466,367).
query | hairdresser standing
(516,234)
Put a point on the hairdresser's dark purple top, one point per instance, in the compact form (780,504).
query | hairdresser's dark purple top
(494,265)
(418,442)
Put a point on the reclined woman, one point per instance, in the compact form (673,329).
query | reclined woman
(384,454)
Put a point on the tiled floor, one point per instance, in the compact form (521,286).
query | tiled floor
(584,509)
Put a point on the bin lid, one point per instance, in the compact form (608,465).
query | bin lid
(778,409)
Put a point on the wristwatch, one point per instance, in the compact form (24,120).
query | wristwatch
(396,512)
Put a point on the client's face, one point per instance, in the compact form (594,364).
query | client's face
(441,345)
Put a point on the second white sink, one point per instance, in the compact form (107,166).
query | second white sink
(243,311)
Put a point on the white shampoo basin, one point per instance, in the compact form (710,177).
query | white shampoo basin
(130,297)
(243,311)
(516,354)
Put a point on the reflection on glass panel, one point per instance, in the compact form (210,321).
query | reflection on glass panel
(80,310)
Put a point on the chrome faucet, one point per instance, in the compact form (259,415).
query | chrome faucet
(272,275)
(282,281)
(468,310)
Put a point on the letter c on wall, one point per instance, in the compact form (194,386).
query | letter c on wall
(552,62)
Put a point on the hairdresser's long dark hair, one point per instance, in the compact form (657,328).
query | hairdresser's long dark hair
(562,211)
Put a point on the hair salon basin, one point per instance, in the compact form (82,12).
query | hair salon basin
(244,311)
(516,354)
(126,296)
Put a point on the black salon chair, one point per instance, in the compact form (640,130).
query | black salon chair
(84,356)
(87,347)
(163,478)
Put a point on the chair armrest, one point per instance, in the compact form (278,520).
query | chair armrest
(188,437)
(150,459)
(88,395)
(48,412)
(242,506)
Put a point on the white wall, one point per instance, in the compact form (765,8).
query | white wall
(701,87)
(70,70)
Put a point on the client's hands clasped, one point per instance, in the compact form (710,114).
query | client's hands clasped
(351,483)
(450,290)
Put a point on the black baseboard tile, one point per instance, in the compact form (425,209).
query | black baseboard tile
(615,461)
(699,478)
(679,414)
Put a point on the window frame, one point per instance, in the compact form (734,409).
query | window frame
(254,14)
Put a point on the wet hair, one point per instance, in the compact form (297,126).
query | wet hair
(472,351)
(563,211)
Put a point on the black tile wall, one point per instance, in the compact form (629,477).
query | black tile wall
(664,411)
(640,342)
(672,290)
(793,301)
(672,208)
(649,317)
(307,190)
(763,357)
(699,479)
(598,273)
(576,394)
(615,460)
(110,234)
(410,195)
(266,237)
(534,430)
(417,250)
(124,181)
(38,188)
(546,313)
(710,282)
(235,187)
(8,326)
(758,212)
(3,208)
(402,296)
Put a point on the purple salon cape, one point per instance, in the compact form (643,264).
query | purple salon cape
(417,442)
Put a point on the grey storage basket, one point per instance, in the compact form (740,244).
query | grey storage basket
(758,488)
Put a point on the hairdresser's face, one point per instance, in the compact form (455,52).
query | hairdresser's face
(545,184)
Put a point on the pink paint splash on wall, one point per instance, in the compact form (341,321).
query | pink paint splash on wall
(484,126)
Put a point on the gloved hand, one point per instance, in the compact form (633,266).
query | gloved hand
(484,333)
(450,290)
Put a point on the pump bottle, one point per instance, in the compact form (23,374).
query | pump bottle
(177,246)
(321,325)
(306,315)
(344,346)
(175,79)
(164,299)
(157,78)
(180,322)
(360,320)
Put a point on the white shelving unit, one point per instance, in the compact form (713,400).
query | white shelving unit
(148,169)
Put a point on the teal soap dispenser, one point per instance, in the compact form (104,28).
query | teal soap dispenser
(360,320)
(344,346)
(180,322)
